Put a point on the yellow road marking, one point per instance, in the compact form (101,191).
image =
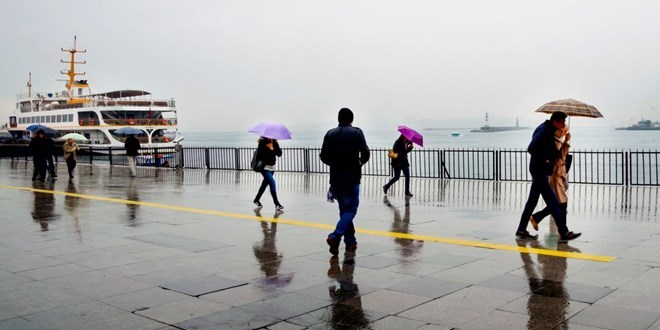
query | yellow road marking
(374,232)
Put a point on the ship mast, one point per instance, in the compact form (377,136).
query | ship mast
(72,70)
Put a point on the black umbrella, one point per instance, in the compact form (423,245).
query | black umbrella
(47,130)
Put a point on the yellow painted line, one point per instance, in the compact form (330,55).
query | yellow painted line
(454,241)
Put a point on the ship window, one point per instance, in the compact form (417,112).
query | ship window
(59,118)
(43,119)
(34,120)
(48,119)
(71,117)
(79,91)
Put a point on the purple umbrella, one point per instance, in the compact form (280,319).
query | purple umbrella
(271,130)
(411,135)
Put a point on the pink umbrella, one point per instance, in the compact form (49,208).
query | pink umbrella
(412,135)
(271,130)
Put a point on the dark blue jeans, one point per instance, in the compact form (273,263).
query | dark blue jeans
(348,199)
(541,187)
(268,181)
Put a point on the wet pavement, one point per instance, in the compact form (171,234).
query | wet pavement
(188,250)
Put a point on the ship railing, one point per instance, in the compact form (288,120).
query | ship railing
(141,122)
(608,167)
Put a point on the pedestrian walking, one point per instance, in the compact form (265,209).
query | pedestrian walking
(267,152)
(345,150)
(50,149)
(70,155)
(39,150)
(543,157)
(399,160)
(132,145)
(558,179)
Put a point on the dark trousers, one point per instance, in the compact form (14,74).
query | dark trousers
(70,164)
(538,216)
(268,181)
(541,187)
(51,165)
(40,166)
(397,175)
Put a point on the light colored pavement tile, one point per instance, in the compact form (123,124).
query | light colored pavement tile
(634,300)
(396,323)
(54,271)
(144,299)
(182,310)
(608,317)
(391,302)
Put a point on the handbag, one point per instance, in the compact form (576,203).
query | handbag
(569,162)
(392,154)
(256,164)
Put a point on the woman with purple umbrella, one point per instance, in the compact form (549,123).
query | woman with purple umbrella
(402,146)
(267,151)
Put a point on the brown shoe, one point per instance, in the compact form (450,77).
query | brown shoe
(334,246)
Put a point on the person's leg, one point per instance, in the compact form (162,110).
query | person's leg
(406,173)
(42,169)
(397,175)
(538,216)
(532,200)
(348,200)
(35,171)
(269,176)
(70,165)
(551,201)
(262,188)
(131,165)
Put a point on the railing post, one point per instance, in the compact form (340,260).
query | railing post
(237,159)
(110,155)
(307,159)
(207,156)
(627,168)
(496,165)
(91,155)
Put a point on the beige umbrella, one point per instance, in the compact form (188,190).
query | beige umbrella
(571,108)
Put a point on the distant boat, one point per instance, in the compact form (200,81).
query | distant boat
(642,125)
(455,134)
(489,129)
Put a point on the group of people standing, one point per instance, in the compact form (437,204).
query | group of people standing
(42,148)
(345,150)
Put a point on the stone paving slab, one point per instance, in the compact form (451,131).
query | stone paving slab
(98,262)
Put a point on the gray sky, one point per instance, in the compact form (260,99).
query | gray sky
(232,64)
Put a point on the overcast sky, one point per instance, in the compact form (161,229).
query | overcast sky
(231,64)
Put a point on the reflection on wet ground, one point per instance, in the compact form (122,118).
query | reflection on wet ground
(196,264)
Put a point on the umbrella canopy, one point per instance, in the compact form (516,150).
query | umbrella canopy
(271,130)
(412,135)
(571,108)
(128,131)
(47,130)
(74,137)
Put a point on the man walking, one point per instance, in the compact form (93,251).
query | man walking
(543,156)
(132,145)
(345,150)
(39,149)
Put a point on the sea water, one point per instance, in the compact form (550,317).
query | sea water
(583,138)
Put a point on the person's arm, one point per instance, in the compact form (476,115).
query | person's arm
(325,154)
(365,153)
(276,148)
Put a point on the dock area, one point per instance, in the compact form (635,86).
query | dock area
(187,249)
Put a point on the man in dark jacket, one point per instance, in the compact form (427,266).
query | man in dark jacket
(543,156)
(345,150)
(39,149)
(132,145)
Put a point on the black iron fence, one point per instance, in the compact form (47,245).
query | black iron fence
(592,167)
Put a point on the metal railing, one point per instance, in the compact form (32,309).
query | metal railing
(591,167)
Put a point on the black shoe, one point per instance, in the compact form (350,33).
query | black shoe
(34,178)
(569,237)
(385,189)
(70,175)
(525,234)
(334,246)
(257,203)
(53,175)
(409,194)
(279,207)
(351,248)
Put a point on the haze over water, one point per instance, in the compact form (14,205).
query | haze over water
(584,138)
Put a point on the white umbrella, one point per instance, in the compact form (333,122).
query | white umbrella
(74,137)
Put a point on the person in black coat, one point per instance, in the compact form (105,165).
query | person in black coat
(132,145)
(402,146)
(39,149)
(544,154)
(345,150)
(267,151)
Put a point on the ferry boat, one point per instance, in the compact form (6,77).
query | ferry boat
(642,125)
(96,115)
